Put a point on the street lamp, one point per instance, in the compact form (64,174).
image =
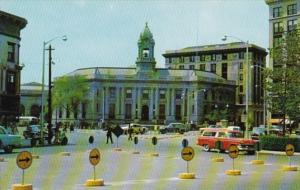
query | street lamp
(64,38)
(247,80)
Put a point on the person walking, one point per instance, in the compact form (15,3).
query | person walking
(109,135)
(130,131)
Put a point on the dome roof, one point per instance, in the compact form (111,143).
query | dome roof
(146,34)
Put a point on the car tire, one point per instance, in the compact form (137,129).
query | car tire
(8,149)
(206,148)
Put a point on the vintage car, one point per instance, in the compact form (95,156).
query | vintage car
(136,128)
(175,128)
(8,141)
(209,138)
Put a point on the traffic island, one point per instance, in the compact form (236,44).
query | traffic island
(186,176)
(65,153)
(154,154)
(117,149)
(219,159)
(233,172)
(22,187)
(290,168)
(94,182)
(258,162)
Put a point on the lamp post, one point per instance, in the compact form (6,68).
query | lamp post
(247,81)
(45,43)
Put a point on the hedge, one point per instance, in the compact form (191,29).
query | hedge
(278,143)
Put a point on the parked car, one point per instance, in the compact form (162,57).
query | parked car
(8,141)
(174,128)
(209,137)
(214,126)
(257,132)
(276,130)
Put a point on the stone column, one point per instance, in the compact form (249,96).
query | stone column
(139,101)
(122,103)
(173,104)
(133,107)
(106,103)
(151,104)
(157,103)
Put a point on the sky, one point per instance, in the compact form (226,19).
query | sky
(105,33)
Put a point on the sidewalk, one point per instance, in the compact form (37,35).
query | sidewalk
(281,153)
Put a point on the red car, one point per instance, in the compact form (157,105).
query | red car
(209,137)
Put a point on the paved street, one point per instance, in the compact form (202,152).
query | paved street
(124,170)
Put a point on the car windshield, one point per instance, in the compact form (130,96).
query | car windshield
(235,135)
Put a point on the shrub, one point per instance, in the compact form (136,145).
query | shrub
(278,143)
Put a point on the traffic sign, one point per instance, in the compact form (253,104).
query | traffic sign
(24,160)
(289,149)
(94,156)
(233,151)
(91,139)
(185,143)
(154,140)
(187,153)
(136,140)
(118,131)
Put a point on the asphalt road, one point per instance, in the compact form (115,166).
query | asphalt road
(124,170)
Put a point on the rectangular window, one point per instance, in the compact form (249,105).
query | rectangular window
(178,94)
(112,92)
(68,112)
(277,12)
(128,93)
(202,57)
(224,70)
(292,25)
(181,66)
(168,60)
(145,94)
(181,59)
(193,109)
(241,77)
(83,108)
(11,52)
(213,57)
(162,111)
(202,67)
(241,88)
(241,55)
(192,67)
(240,99)
(60,113)
(192,59)
(224,56)
(111,113)
(292,9)
(241,65)
(277,27)
(213,68)
(162,94)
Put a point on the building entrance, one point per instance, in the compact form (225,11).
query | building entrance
(145,113)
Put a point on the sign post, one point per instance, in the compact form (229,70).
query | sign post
(154,142)
(24,161)
(118,131)
(135,140)
(94,158)
(257,149)
(187,154)
(289,150)
(233,152)
(218,145)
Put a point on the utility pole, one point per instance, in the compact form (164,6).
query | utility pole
(50,87)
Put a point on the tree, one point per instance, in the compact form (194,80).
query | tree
(69,92)
(283,81)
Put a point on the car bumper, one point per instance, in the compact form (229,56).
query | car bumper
(245,147)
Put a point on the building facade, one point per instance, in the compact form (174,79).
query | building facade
(31,99)
(10,69)
(148,94)
(229,61)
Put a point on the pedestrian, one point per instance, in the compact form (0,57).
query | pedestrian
(130,131)
(109,135)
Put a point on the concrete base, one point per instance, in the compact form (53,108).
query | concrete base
(289,168)
(21,187)
(220,159)
(186,176)
(65,153)
(34,156)
(233,172)
(135,152)
(96,182)
(154,154)
(117,149)
(258,162)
